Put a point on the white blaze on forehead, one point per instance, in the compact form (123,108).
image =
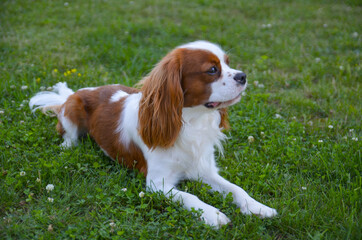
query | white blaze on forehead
(118,95)
(208,46)
(213,48)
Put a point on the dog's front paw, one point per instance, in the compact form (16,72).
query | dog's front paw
(215,218)
(256,208)
(265,212)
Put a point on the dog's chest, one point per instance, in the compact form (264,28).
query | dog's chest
(198,138)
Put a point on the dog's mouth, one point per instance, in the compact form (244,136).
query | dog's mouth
(212,105)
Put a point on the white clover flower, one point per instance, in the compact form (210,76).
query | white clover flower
(66,4)
(294,118)
(12,86)
(50,228)
(266,25)
(21,122)
(22,173)
(2,112)
(310,123)
(251,139)
(330,126)
(112,224)
(320,141)
(355,34)
(42,88)
(355,139)
(260,85)
(262,134)
(278,116)
(49,187)
(38,180)
(256,83)
(294,139)
(24,87)
(304,188)
(317,60)
(325,25)
(351,130)
(124,189)
(141,194)
(243,93)
(341,67)
(50,199)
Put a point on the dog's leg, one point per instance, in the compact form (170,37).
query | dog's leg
(72,120)
(68,130)
(165,181)
(246,203)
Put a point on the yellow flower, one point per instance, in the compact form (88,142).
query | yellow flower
(74,70)
(55,70)
(79,74)
(38,80)
(65,74)
(69,72)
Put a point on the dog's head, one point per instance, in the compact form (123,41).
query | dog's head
(194,74)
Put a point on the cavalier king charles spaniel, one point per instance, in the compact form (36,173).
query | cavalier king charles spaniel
(167,127)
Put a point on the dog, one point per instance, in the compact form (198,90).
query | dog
(168,127)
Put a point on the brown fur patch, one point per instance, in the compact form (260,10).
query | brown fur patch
(160,110)
(195,79)
(93,113)
(224,123)
(103,129)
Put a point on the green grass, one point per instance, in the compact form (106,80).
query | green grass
(308,60)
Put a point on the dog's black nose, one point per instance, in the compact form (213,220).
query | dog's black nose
(240,77)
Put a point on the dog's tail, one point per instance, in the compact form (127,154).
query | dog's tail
(51,101)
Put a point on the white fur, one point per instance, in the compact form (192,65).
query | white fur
(88,89)
(118,95)
(58,96)
(192,157)
(71,133)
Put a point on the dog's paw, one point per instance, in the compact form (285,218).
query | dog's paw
(215,218)
(265,212)
(68,144)
(256,208)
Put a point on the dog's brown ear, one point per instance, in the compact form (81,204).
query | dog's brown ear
(224,122)
(160,110)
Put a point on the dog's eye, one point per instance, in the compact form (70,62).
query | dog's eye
(212,70)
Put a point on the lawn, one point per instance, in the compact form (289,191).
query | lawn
(302,108)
